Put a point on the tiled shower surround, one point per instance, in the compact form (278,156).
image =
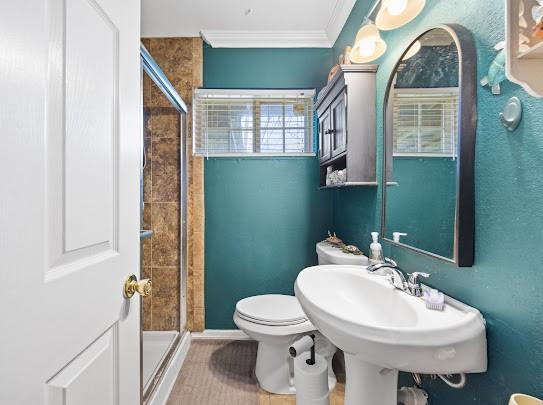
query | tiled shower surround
(161,253)
(181,61)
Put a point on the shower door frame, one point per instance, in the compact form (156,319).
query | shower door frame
(149,66)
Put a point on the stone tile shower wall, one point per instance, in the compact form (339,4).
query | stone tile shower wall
(181,61)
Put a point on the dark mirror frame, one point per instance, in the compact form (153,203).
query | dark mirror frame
(464,227)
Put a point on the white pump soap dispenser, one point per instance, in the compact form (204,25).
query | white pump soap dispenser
(376,250)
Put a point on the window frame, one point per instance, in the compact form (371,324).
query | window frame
(259,97)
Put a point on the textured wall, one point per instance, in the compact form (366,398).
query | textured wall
(266,68)
(505,283)
(263,215)
(263,218)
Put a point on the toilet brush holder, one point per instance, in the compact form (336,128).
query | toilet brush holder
(310,373)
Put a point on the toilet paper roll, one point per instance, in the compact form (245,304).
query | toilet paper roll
(300,346)
(311,380)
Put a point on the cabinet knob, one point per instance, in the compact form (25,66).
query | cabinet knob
(329,131)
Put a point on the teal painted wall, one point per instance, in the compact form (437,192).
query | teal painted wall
(266,68)
(505,282)
(422,203)
(263,215)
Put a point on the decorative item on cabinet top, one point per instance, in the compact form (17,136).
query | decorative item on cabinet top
(524,44)
(346,113)
(343,59)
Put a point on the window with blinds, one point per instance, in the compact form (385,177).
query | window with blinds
(425,122)
(252,122)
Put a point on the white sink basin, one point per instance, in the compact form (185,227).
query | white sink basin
(382,330)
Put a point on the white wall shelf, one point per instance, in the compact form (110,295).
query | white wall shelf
(535,52)
(523,68)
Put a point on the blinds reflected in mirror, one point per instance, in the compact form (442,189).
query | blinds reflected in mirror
(252,122)
(425,122)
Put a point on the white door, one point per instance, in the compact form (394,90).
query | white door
(69,201)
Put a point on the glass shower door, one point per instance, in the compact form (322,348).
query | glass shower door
(162,219)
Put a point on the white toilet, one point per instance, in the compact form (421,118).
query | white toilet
(276,321)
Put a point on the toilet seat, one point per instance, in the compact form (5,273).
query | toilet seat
(271,310)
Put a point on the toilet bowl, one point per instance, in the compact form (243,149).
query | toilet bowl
(276,321)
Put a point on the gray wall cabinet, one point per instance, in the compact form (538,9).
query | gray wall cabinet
(346,112)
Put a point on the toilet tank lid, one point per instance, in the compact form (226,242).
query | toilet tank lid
(271,308)
(334,255)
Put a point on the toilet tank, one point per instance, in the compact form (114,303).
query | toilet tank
(329,254)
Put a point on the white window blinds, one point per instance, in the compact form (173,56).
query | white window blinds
(237,122)
(425,122)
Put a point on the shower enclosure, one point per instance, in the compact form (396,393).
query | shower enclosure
(163,213)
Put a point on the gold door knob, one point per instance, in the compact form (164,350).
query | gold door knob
(132,286)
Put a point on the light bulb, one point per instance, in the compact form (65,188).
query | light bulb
(396,7)
(367,47)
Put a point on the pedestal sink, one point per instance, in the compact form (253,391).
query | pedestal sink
(383,330)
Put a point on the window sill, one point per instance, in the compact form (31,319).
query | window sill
(424,155)
(253,155)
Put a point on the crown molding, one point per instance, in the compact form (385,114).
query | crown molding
(337,20)
(266,39)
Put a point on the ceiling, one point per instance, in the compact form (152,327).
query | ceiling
(248,23)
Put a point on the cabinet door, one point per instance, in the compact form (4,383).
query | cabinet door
(338,113)
(324,137)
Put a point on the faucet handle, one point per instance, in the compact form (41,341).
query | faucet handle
(397,280)
(414,277)
(390,261)
(414,283)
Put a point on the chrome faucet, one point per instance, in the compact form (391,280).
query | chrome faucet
(410,285)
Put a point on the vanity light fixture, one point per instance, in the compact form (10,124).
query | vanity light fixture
(368,45)
(396,13)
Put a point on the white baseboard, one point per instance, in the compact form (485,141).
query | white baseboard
(164,388)
(220,334)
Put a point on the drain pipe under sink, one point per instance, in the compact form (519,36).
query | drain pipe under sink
(412,396)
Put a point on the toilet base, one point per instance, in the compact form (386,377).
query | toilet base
(275,369)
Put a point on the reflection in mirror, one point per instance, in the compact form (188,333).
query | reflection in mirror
(422,146)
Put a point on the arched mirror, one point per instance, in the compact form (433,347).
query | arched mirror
(430,124)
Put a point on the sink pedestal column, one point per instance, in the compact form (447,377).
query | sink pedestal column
(368,384)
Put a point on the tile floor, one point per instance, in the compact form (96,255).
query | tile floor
(265,398)
(221,372)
